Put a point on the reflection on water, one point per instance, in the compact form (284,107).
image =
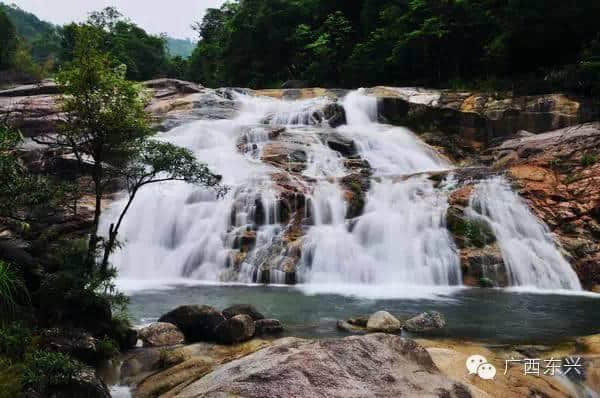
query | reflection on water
(477,314)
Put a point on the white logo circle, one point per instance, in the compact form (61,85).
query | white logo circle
(473,362)
(486,371)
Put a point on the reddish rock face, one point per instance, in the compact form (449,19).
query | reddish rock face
(558,173)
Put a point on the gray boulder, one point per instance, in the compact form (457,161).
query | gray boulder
(161,334)
(238,329)
(376,365)
(425,322)
(384,322)
(196,322)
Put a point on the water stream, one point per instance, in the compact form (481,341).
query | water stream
(176,231)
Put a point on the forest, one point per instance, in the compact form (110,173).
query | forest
(513,45)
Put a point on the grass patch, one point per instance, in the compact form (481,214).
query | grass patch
(589,159)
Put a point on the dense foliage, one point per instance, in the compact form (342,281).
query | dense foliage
(550,44)
(31,49)
(8,40)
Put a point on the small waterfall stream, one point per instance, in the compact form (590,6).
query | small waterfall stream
(178,231)
(529,252)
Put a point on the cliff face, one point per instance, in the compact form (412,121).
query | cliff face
(549,145)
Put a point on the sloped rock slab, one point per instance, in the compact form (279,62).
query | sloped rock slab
(376,365)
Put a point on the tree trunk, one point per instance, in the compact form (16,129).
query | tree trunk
(108,248)
(93,242)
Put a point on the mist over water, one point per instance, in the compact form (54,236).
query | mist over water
(176,231)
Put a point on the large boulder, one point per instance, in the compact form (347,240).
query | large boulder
(425,322)
(376,365)
(385,322)
(238,329)
(334,114)
(196,322)
(161,334)
(242,309)
(341,144)
(268,327)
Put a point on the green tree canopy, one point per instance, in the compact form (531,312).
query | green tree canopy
(8,41)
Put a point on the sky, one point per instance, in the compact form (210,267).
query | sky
(173,17)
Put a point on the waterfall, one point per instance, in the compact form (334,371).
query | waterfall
(401,238)
(175,231)
(531,256)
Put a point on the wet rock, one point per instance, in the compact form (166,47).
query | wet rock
(359,321)
(341,144)
(237,329)
(556,175)
(242,309)
(161,334)
(484,267)
(425,322)
(268,327)
(334,114)
(480,118)
(196,322)
(374,365)
(468,231)
(385,322)
(349,328)
(357,185)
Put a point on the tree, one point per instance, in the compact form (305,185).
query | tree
(330,49)
(21,193)
(146,56)
(8,41)
(108,131)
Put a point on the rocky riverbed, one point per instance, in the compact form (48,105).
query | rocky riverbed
(385,364)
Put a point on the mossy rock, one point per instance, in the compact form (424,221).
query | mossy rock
(469,232)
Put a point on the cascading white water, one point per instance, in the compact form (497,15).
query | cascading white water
(401,238)
(177,231)
(531,256)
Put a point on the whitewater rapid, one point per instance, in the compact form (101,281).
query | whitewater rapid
(175,231)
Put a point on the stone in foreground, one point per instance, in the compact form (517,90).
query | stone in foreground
(196,322)
(161,334)
(383,321)
(425,322)
(376,365)
(238,329)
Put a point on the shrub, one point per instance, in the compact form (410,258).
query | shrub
(50,369)
(12,292)
(14,341)
(107,348)
(589,159)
